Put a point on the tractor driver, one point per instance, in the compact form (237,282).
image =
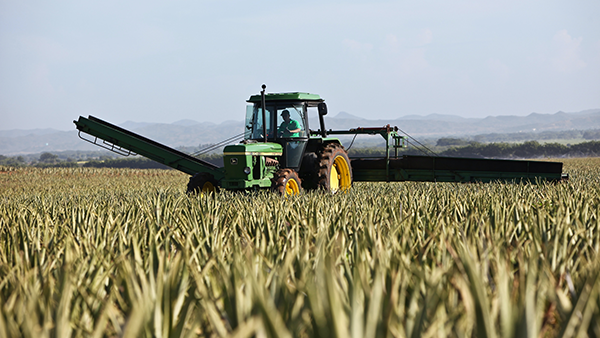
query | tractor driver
(289,127)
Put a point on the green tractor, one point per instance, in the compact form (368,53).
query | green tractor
(280,151)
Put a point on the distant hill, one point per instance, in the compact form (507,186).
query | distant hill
(20,132)
(193,133)
(186,122)
(173,135)
(346,116)
(448,125)
(130,125)
(437,117)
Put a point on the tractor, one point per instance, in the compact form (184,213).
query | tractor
(280,152)
(270,156)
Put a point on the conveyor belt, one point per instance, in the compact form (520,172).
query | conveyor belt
(153,143)
(125,139)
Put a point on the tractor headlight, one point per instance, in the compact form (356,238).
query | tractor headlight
(247,170)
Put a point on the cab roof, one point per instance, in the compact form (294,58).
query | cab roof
(286,97)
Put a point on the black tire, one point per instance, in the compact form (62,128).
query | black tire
(202,183)
(332,158)
(286,182)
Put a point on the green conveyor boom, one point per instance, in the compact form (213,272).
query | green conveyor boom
(124,142)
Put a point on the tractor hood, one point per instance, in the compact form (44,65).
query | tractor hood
(246,165)
(254,149)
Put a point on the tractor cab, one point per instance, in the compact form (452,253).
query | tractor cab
(286,120)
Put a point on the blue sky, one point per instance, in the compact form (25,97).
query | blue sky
(157,61)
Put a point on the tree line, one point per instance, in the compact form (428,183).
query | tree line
(590,135)
(49,160)
(529,149)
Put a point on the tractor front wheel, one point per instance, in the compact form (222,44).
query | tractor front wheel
(202,183)
(335,172)
(286,182)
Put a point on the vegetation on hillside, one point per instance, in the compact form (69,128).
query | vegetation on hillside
(530,149)
(590,135)
(461,148)
(444,147)
(49,160)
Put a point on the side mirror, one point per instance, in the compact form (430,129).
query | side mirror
(322,109)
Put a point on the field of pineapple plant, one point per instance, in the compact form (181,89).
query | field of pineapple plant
(90,252)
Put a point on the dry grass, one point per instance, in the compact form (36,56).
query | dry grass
(102,252)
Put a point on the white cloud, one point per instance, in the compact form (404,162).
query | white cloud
(43,47)
(406,59)
(39,79)
(357,46)
(391,45)
(413,60)
(425,37)
(500,70)
(567,58)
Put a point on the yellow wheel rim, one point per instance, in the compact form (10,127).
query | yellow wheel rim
(208,188)
(341,178)
(334,179)
(291,187)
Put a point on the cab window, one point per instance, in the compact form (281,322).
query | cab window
(290,122)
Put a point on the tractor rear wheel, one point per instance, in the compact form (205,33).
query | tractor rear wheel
(335,172)
(286,182)
(202,183)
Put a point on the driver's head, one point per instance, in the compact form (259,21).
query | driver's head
(285,114)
